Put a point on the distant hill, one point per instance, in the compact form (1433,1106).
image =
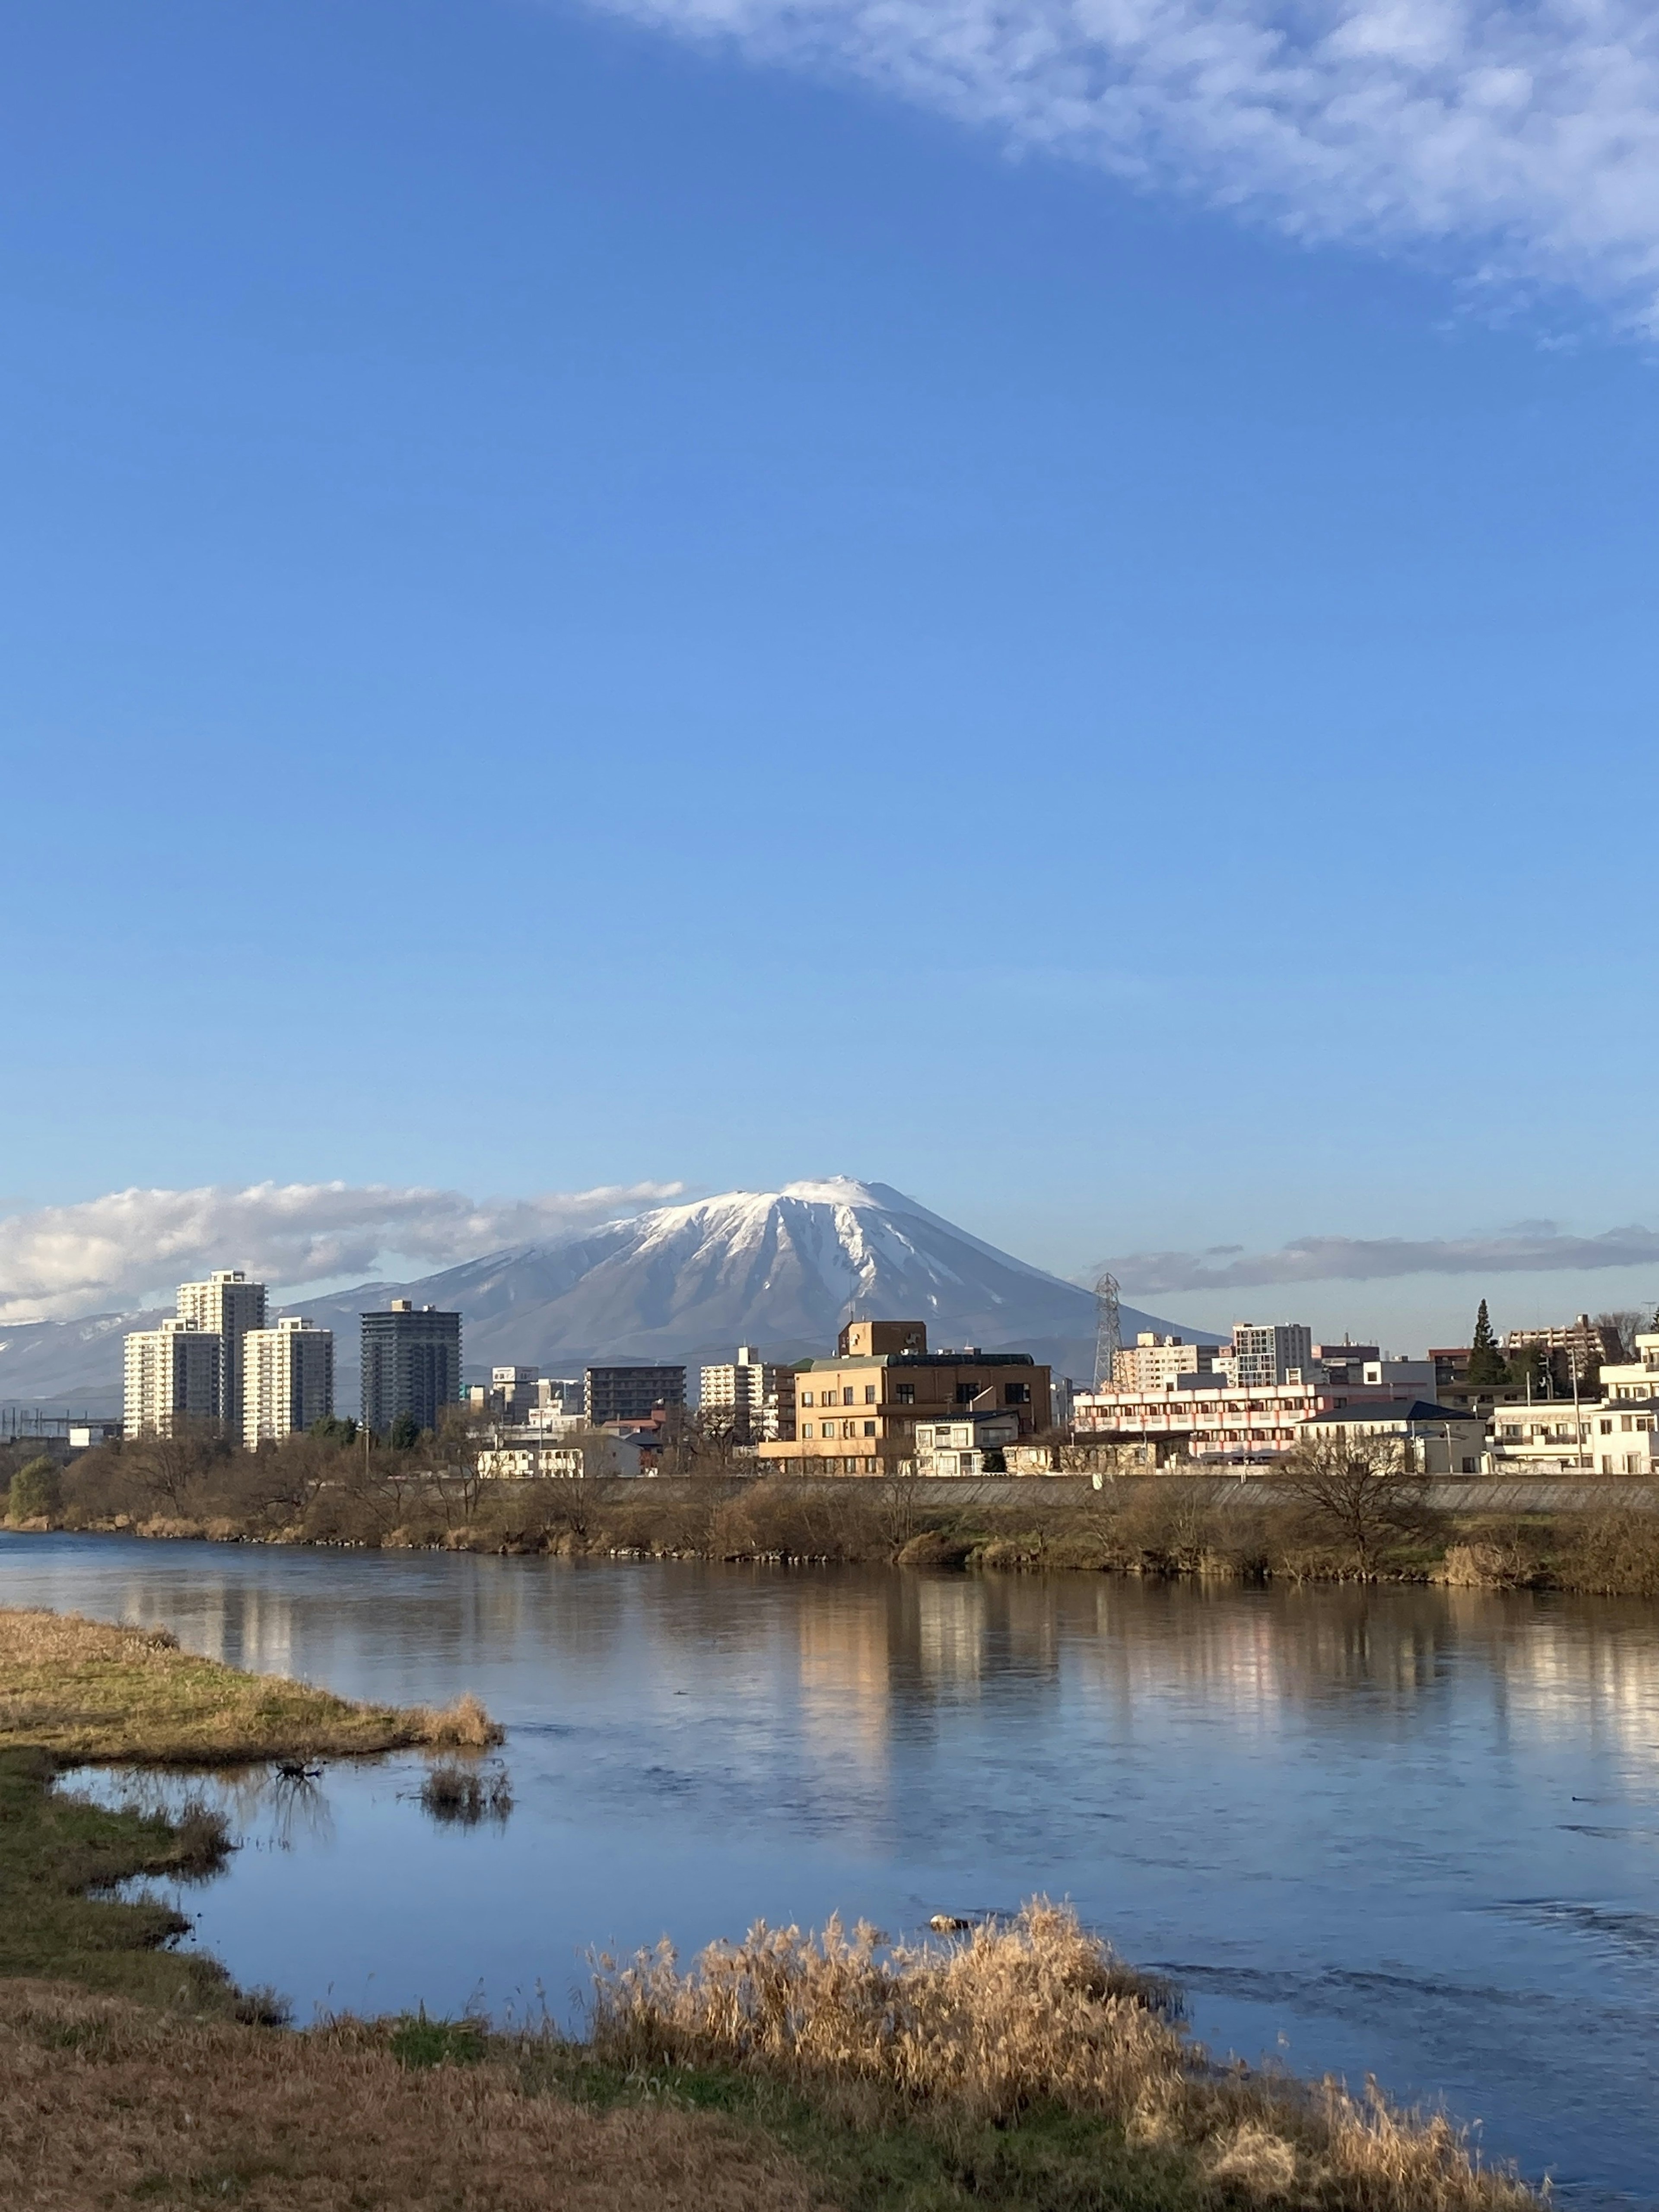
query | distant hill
(781,1270)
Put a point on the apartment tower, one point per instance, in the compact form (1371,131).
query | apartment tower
(226,1306)
(411,1365)
(287,1379)
(171,1374)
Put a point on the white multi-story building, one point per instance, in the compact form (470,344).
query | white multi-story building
(1267,1353)
(171,1374)
(512,1394)
(1152,1362)
(1616,1433)
(226,1306)
(287,1379)
(958,1445)
(758,1399)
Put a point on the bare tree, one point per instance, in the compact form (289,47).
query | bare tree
(166,1468)
(1363,1490)
(1625,1323)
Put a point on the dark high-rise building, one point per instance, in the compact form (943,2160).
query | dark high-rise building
(411,1365)
(629,1393)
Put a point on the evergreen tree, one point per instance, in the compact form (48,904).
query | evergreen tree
(1485,1361)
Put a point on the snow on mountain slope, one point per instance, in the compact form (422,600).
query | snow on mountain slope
(781,1270)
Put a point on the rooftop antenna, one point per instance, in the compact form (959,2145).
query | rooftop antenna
(1108,1331)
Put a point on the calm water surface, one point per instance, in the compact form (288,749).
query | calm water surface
(1410,1833)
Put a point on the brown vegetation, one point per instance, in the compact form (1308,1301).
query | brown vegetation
(87,1690)
(108,2105)
(1348,1518)
(1015,2020)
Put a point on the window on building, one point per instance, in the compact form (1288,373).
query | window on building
(869,1428)
(1015,1394)
(806,1397)
(869,1394)
(846,1394)
(965,1394)
(806,1429)
(906,1394)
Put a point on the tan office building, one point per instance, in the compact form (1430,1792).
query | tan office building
(857,1413)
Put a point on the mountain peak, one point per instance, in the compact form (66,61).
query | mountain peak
(781,1270)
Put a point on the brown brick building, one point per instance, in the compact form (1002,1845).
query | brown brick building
(857,1412)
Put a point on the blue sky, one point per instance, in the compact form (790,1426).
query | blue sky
(584,605)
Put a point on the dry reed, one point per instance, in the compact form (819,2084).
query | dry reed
(1029,2014)
(463,1795)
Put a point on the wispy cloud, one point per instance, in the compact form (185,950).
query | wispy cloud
(66,1260)
(1534,1248)
(1519,143)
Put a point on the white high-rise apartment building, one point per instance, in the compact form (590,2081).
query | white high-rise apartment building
(228,1305)
(171,1372)
(759,1400)
(1266,1353)
(287,1379)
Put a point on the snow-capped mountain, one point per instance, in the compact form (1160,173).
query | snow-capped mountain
(781,1270)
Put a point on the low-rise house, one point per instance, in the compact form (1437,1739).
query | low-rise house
(962,1443)
(531,1455)
(1433,1439)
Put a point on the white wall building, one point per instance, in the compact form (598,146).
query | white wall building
(957,1445)
(531,1455)
(758,1399)
(1432,1439)
(1153,1361)
(170,1374)
(228,1306)
(1266,1353)
(287,1379)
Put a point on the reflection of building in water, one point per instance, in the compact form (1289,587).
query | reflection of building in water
(1589,1674)
(845,1643)
(950,1633)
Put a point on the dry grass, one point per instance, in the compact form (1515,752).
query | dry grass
(86,1690)
(1032,2012)
(108,2105)
(1016,2019)
(465,1795)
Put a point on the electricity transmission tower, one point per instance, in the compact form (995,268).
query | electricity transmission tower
(1108,1330)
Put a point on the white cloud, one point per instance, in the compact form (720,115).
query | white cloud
(1519,144)
(1534,1248)
(66,1260)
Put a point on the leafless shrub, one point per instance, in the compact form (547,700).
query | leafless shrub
(1614,1553)
(1356,1491)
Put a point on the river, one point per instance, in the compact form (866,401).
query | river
(1409,1833)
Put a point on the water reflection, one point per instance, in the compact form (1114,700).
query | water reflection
(1414,1829)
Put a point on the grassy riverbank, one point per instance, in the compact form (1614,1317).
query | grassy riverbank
(1021,2069)
(74,1691)
(1174,1523)
(87,1690)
